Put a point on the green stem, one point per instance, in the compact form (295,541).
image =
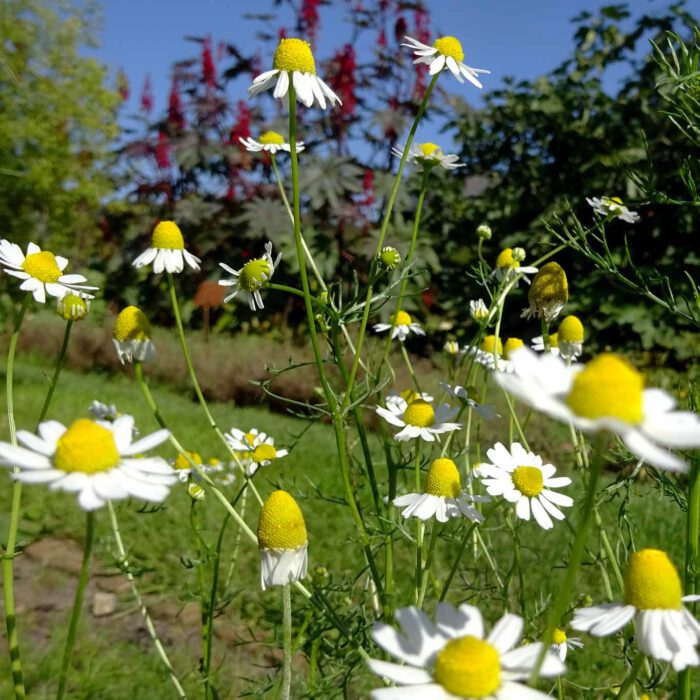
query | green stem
(545,335)
(455,565)
(427,565)
(124,562)
(202,559)
(287,670)
(59,366)
(236,543)
(77,604)
(9,554)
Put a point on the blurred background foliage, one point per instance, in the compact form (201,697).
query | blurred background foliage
(618,117)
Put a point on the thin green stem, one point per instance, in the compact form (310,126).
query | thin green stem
(57,371)
(77,604)
(428,563)
(150,627)
(287,619)
(545,335)
(455,564)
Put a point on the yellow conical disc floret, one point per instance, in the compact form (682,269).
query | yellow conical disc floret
(511,345)
(429,149)
(402,319)
(489,343)
(528,480)
(167,235)
(652,582)
(271,138)
(42,266)
(294,55)
(549,287)
(443,479)
(570,330)
(505,259)
(420,414)
(264,453)
(281,524)
(86,447)
(449,46)
(254,274)
(183,461)
(468,668)
(132,324)
(72,307)
(608,386)
(559,636)
(554,340)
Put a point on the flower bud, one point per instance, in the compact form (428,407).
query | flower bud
(483,231)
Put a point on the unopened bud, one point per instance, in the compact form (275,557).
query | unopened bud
(483,231)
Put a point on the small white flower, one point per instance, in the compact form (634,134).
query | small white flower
(403,325)
(41,272)
(521,478)
(486,411)
(94,459)
(428,155)
(562,644)
(449,659)
(666,630)
(418,419)
(271,142)
(252,277)
(446,52)
(294,63)
(613,206)
(451,347)
(255,449)
(605,394)
(184,466)
(167,250)
(479,311)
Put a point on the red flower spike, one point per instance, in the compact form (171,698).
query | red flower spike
(176,117)
(162,151)
(147,95)
(208,67)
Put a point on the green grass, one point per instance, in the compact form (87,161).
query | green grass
(113,657)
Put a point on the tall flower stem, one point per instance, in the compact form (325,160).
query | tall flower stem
(8,590)
(150,627)
(419,530)
(60,361)
(287,623)
(427,564)
(77,603)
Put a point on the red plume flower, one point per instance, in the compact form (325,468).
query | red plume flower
(208,67)
(162,150)
(309,19)
(147,96)
(176,117)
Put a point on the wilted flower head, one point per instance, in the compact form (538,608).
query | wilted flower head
(548,293)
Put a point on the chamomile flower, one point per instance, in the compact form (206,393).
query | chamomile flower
(442,498)
(521,478)
(389,258)
(570,337)
(396,400)
(294,62)
(270,142)
(73,306)
(613,206)
(252,277)
(606,393)
(41,272)
(94,459)
(487,411)
(167,250)
(403,325)
(446,52)
(508,265)
(256,449)
(453,659)
(428,155)
(548,293)
(665,629)
(478,311)
(184,467)
(282,540)
(562,644)
(132,336)
(451,347)
(489,354)
(418,419)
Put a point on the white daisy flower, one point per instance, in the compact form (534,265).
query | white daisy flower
(294,61)
(167,251)
(508,265)
(486,411)
(94,459)
(665,629)
(613,206)
(443,497)
(252,277)
(479,311)
(449,659)
(271,142)
(256,449)
(606,394)
(282,540)
(418,419)
(562,644)
(41,272)
(403,325)
(548,293)
(489,354)
(428,155)
(521,478)
(183,466)
(446,52)
(132,336)
(396,400)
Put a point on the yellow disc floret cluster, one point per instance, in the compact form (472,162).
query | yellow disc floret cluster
(132,324)
(429,149)
(402,319)
(489,343)
(264,453)
(506,260)
(86,447)
(42,266)
(184,461)
(549,287)
(443,478)
(254,274)
(72,307)
(449,46)
(294,55)
(528,480)
(512,344)
(271,138)
(420,414)
(468,668)
(652,582)
(570,330)
(167,235)
(281,524)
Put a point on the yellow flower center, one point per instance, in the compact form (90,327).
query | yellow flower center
(489,343)
(571,330)
(511,345)
(182,461)
(132,324)
(420,414)
(559,636)
(167,235)
(449,46)
(281,524)
(616,200)
(554,340)
(294,55)
(549,287)
(608,386)
(505,259)
(429,149)
(652,582)
(250,438)
(264,453)
(271,138)
(528,480)
(254,274)
(86,447)
(468,667)
(443,479)
(402,319)
(72,307)
(42,266)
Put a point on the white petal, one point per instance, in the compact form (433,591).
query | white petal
(506,633)
(38,476)
(541,515)
(88,499)
(466,620)
(147,443)
(12,456)
(282,85)
(639,445)
(35,443)
(437,65)
(522,510)
(406,675)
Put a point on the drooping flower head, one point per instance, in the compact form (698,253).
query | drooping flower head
(403,325)
(428,155)
(132,336)
(252,277)
(548,293)
(167,250)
